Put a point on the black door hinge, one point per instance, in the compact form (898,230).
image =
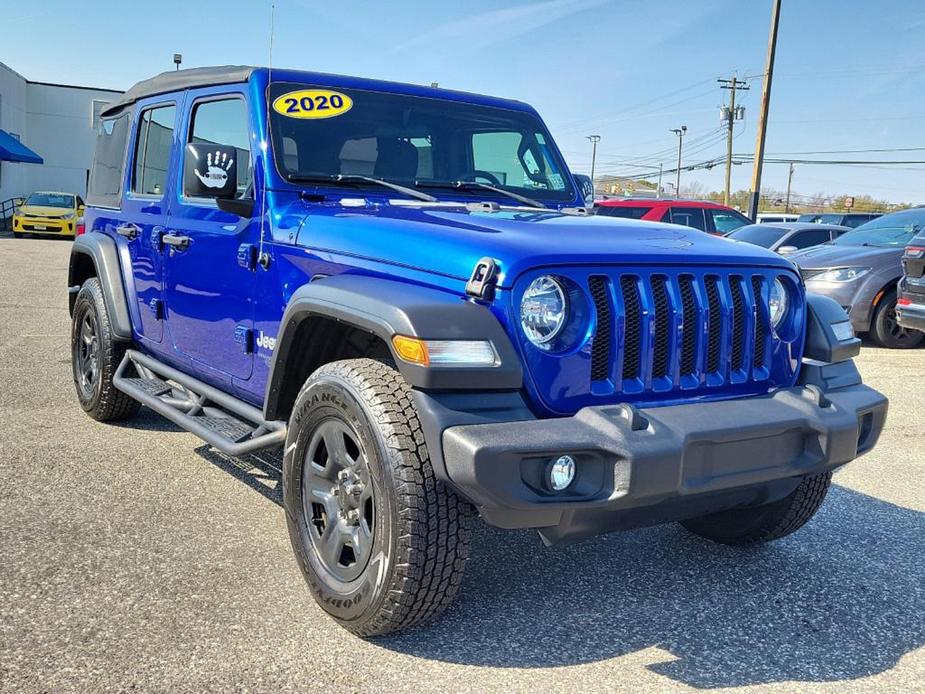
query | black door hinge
(247,256)
(481,284)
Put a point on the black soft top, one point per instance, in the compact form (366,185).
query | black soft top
(178,80)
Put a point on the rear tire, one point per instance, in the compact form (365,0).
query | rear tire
(18,234)
(381,542)
(95,356)
(748,526)
(887,332)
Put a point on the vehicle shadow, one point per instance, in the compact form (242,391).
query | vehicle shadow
(841,599)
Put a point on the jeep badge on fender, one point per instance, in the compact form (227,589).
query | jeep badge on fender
(401,287)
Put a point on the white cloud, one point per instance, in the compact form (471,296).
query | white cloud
(492,27)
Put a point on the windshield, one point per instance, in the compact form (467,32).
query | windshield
(890,230)
(414,141)
(51,200)
(758,234)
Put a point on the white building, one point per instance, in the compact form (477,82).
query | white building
(56,122)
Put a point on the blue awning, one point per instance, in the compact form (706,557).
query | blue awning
(12,149)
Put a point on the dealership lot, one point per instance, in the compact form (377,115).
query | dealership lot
(133,556)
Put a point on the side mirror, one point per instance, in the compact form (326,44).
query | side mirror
(787,250)
(210,171)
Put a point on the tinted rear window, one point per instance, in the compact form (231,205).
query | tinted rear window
(105,189)
(758,234)
(625,212)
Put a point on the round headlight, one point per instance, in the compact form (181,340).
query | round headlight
(543,310)
(778,302)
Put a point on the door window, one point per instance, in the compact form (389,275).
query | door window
(805,239)
(725,221)
(224,122)
(105,186)
(152,150)
(625,212)
(689,217)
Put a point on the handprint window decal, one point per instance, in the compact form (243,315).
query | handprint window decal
(216,173)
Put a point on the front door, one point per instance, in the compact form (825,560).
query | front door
(144,214)
(208,292)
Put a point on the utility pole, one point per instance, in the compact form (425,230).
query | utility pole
(658,188)
(789,181)
(763,119)
(594,140)
(680,133)
(731,115)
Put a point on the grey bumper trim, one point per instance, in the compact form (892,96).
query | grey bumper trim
(630,459)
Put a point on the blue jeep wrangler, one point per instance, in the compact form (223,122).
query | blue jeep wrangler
(401,287)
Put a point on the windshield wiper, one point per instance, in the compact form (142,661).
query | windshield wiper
(463,185)
(350,179)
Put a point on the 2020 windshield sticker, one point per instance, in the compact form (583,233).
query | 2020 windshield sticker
(312,103)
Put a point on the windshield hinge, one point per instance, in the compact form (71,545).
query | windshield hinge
(578,211)
(481,284)
(488,206)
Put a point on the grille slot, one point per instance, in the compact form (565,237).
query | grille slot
(760,327)
(660,357)
(600,346)
(691,325)
(738,322)
(633,312)
(715,324)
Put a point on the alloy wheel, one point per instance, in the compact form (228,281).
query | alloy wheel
(338,500)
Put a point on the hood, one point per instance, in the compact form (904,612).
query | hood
(43,211)
(832,255)
(450,239)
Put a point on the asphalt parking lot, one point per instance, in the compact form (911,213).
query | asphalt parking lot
(132,557)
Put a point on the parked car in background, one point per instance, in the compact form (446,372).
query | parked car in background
(860,270)
(842,219)
(910,306)
(787,237)
(773,217)
(700,214)
(48,213)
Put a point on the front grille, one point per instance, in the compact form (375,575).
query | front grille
(49,227)
(633,335)
(600,345)
(680,331)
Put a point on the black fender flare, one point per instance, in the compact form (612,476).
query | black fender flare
(386,308)
(102,252)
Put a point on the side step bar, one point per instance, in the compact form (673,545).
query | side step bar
(221,420)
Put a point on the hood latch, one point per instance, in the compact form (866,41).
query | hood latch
(481,284)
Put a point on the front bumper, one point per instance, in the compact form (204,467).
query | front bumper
(640,467)
(37,225)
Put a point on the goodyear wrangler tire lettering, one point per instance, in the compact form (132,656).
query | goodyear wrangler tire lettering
(312,103)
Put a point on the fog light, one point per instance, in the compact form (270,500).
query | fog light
(560,473)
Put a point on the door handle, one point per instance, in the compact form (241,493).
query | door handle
(129,231)
(181,243)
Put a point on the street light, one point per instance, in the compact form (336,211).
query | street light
(594,140)
(680,132)
(177,59)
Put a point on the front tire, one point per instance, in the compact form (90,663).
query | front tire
(747,526)
(381,542)
(886,331)
(95,356)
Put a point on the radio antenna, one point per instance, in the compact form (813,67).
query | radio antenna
(262,258)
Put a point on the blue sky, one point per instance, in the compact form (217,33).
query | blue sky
(849,75)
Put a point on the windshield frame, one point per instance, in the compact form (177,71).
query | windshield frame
(567,196)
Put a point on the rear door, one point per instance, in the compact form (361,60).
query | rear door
(144,211)
(208,291)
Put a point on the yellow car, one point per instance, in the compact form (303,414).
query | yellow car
(54,214)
